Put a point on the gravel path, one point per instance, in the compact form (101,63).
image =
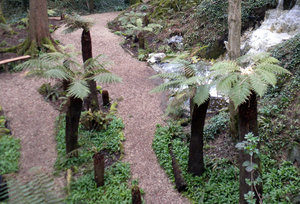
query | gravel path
(32,120)
(140,110)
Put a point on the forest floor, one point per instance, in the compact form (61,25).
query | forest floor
(139,109)
(32,119)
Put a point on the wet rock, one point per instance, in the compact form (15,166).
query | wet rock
(155,57)
(288,4)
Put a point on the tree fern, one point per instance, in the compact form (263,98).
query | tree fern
(248,73)
(39,190)
(75,22)
(63,66)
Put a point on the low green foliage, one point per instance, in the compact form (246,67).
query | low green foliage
(9,154)
(216,125)
(89,141)
(219,184)
(115,189)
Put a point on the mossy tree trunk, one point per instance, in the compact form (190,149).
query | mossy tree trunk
(247,113)
(196,162)
(72,124)
(38,34)
(91,5)
(91,102)
(234,44)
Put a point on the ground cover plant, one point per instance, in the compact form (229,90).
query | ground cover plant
(9,148)
(220,181)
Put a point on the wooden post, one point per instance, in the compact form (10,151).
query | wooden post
(99,168)
(136,195)
(105,97)
(179,180)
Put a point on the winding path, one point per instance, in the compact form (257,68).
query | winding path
(140,110)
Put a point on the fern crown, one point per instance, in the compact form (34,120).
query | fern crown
(63,66)
(187,85)
(237,79)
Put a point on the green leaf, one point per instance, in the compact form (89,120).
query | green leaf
(79,89)
(56,74)
(240,92)
(107,78)
(202,94)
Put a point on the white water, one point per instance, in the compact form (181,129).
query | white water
(279,25)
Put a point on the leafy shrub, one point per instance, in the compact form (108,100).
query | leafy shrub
(9,154)
(89,141)
(95,120)
(115,189)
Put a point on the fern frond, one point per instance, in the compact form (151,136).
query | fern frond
(202,94)
(189,71)
(78,89)
(240,93)
(224,67)
(106,78)
(195,80)
(39,190)
(166,86)
(75,22)
(266,76)
(168,75)
(56,74)
(273,68)
(258,85)
(224,84)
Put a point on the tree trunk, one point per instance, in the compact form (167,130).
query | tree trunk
(196,163)
(136,195)
(38,22)
(90,5)
(91,102)
(99,168)
(234,44)
(247,113)
(72,123)
(105,98)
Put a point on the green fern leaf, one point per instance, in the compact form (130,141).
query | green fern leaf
(266,76)
(202,94)
(240,93)
(224,84)
(79,89)
(166,86)
(106,78)
(56,74)
(258,85)
(273,68)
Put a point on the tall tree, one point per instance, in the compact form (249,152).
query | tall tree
(38,22)
(242,80)
(196,89)
(75,77)
(76,22)
(234,44)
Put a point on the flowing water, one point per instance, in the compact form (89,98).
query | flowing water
(279,25)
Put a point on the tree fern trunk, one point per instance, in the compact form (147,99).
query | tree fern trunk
(91,102)
(72,123)
(99,168)
(247,123)
(196,163)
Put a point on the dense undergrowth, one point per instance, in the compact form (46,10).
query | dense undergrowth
(219,183)
(117,174)
(9,149)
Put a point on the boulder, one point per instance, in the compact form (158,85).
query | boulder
(155,57)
